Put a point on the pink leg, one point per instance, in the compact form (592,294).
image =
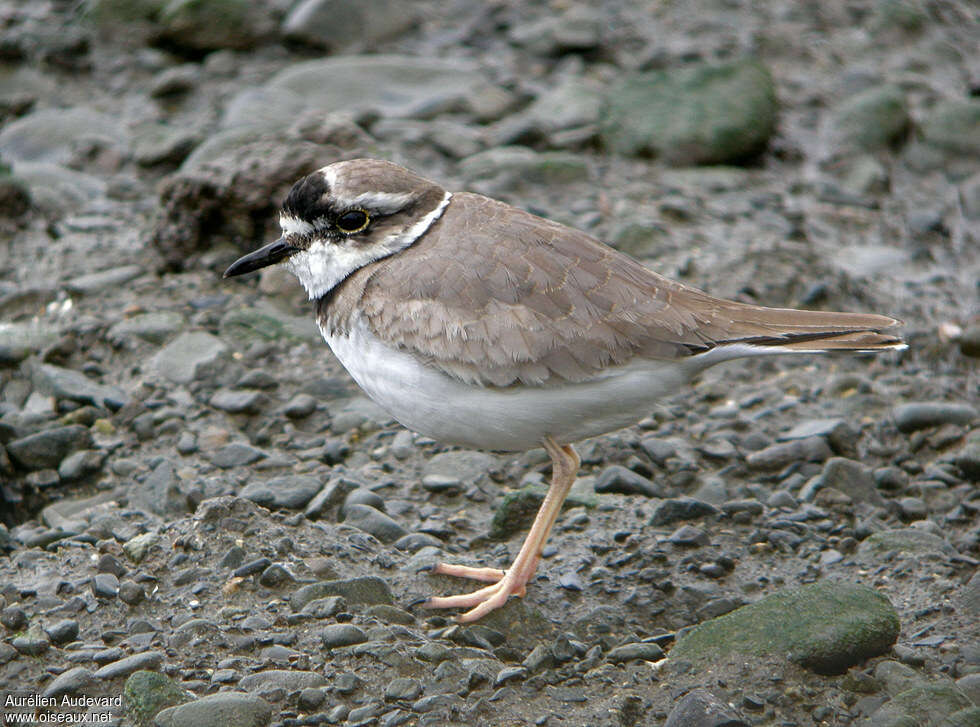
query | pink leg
(564,466)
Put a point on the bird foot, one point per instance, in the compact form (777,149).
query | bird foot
(482,601)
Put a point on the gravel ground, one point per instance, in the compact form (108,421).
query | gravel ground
(200,510)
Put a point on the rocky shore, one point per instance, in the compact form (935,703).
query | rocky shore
(204,522)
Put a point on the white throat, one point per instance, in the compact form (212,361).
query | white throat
(325,264)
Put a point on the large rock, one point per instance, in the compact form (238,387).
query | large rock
(54,135)
(827,627)
(205,25)
(699,114)
(218,710)
(75,386)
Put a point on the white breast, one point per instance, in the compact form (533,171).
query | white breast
(515,418)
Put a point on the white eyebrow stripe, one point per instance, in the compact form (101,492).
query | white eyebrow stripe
(384,203)
(294,226)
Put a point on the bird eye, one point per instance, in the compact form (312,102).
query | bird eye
(353,221)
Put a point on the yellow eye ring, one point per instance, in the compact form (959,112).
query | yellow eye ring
(353,220)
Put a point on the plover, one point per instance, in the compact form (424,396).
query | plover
(478,324)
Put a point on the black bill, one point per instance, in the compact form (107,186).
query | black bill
(271,254)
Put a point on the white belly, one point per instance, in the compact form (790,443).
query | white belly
(516,418)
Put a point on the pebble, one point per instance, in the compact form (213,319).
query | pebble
(77,680)
(919,415)
(33,642)
(853,478)
(700,708)
(63,631)
(778,456)
(236,454)
(73,385)
(403,688)
(688,536)
(639,650)
(236,401)
(370,520)
(14,618)
(150,660)
(287,679)
(623,481)
(300,406)
(46,449)
(105,585)
(131,593)
(683,508)
(291,492)
(338,635)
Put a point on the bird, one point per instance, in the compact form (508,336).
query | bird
(478,324)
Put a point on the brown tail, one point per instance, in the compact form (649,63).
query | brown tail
(801,330)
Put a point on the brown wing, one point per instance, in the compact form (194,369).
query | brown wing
(494,295)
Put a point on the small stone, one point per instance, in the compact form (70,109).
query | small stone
(239,401)
(381,526)
(77,680)
(291,492)
(624,481)
(646,651)
(403,688)
(701,708)
(81,464)
(920,415)
(368,590)
(300,406)
(190,357)
(509,674)
(131,593)
(912,508)
(783,454)
(688,536)
(34,642)
(63,632)
(852,478)
(236,454)
(337,635)
(13,618)
(683,508)
(105,585)
(46,449)
(149,660)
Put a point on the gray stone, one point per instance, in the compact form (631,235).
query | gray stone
(638,650)
(291,491)
(287,679)
(403,688)
(105,585)
(149,660)
(138,547)
(514,166)
(52,135)
(300,406)
(569,105)
(74,385)
(923,414)
(953,127)
(697,114)
(461,465)
(77,680)
(783,454)
(392,85)
(367,590)
(81,464)
(218,710)
(682,508)
(852,478)
(239,401)
(46,449)
(841,436)
(236,454)
(967,458)
(338,24)
(19,339)
(912,541)
(700,708)
(872,119)
(624,481)
(370,520)
(74,514)
(33,642)
(191,356)
(160,492)
(57,190)
(577,29)
(337,635)
(154,327)
(95,283)
(826,628)
(63,631)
